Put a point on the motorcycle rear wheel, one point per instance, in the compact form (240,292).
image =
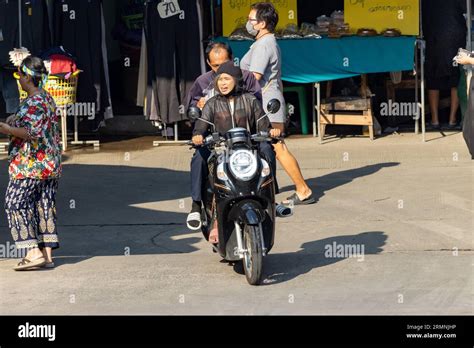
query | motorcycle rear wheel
(253,259)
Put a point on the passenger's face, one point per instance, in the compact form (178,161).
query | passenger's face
(217,57)
(225,84)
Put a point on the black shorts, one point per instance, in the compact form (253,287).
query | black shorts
(444,82)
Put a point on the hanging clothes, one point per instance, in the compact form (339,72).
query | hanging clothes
(35,37)
(144,99)
(142,73)
(175,56)
(78,27)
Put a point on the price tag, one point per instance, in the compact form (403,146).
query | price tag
(169,8)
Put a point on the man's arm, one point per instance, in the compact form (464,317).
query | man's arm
(257,76)
(194,95)
(251,85)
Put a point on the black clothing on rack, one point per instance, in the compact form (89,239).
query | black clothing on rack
(175,60)
(78,28)
(36,37)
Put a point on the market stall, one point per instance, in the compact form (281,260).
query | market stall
(322,59)
(312,61)
(315,61)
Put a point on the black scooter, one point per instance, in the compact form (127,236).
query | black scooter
(240,195)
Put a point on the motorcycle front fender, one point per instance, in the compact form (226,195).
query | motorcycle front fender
(248,212)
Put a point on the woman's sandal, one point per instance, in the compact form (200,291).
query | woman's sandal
(48,265)
(294,200)
(25,264)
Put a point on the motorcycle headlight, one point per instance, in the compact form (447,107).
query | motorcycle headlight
(243,164)
(266,169)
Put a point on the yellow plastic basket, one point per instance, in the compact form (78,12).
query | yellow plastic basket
(63,91)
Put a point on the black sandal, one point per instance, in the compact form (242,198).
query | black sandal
(283,211)
(294,200)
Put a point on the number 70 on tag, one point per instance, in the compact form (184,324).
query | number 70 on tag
(170,8)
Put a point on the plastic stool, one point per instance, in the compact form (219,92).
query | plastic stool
(301,91)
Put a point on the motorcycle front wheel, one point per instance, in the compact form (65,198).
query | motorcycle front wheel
(253,259)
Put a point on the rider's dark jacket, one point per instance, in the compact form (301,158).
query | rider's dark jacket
(217,110)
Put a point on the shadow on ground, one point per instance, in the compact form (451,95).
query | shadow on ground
(105,209)
(283,267)
(325,183)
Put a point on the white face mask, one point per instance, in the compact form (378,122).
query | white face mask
(250,29)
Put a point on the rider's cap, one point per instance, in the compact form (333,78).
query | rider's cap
(229,68)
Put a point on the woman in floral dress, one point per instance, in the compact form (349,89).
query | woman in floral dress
(34,170)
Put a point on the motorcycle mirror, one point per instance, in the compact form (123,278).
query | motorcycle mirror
(273,106)
(194,113)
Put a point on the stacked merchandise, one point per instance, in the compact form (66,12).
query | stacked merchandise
(334,26)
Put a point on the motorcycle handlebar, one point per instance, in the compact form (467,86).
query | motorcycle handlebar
(260,136)
(265,136)
(209,140)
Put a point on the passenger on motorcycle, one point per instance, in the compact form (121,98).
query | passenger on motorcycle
(229,108)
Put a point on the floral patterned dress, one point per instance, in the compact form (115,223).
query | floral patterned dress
(38,157)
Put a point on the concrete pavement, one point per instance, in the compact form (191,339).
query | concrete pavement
(407,207)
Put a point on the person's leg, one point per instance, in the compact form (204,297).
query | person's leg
(292,168)
(454,106)
(433,96)
(19,207)
(46,217)
(199,173)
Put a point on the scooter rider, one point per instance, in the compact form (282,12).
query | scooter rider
(229,108)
